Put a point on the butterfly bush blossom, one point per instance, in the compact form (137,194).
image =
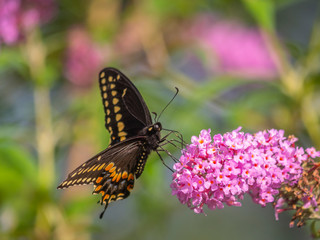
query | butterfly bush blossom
(19,16)
(220,170)
(238,49)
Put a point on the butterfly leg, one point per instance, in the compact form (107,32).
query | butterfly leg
(177,134)
(163,161)
(172,142)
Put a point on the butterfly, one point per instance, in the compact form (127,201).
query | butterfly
(133,136)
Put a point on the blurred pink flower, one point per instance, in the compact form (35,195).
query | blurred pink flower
(17,16)
(238,49)
(83,60)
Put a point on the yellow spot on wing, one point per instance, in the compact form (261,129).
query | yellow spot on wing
(79,180)
(106,103)
(105,95)
(101,166)
(113,93)
(118,77)
(110,79)
(122,138)
(108,111)
(99,158)
(102,74)
(112,86)
(108,120)
(103,80)
(104,88)
(118,116)
(91,168)
(115,101)
(116,109)
(124,92)
(88,180)
(112,197)
(96,167)
(120,126)
(122,134)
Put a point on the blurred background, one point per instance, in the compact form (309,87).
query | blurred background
(244,63)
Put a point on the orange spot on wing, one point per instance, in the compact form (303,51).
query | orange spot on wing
(110,165)
(130,187)
(107,196)
(131,177)
(112,174)
(114,178)
(124,174)
(112,197)
(118,178)
(98,188)
(112,169)
(99,179)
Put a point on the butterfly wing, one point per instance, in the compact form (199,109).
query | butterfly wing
(112,171)
(126,113)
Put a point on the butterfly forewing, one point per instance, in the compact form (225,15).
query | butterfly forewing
(125,110)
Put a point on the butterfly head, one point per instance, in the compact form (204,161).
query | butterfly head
(152,133)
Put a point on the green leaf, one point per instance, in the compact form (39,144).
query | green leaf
(263,11)
(17,168)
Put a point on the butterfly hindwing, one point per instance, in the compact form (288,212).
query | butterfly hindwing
(125,110)
(112,171)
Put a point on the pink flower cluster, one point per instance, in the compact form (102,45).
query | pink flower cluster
(83,58)
(17,16)
(221,170)
(238,49)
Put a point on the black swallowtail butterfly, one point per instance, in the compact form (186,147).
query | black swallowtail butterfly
(133,137)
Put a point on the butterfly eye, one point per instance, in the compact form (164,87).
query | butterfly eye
(157,127)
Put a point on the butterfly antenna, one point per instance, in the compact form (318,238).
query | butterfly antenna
(155,116)
(177,91)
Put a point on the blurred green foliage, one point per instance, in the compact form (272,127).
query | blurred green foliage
(51,118)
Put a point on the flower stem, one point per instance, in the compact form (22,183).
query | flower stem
(35,53)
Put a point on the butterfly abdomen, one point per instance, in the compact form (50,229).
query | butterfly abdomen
(141,162)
